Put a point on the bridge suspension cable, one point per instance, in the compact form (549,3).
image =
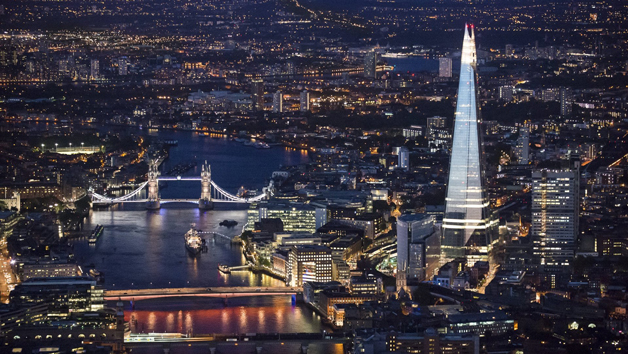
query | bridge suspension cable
(102,198)
(218,193)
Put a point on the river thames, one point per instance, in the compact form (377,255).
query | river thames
(145,249)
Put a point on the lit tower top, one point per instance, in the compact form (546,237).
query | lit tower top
(467,225)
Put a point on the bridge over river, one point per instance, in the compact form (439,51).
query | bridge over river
(217,292)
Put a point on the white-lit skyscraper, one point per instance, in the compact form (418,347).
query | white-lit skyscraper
(555,216)
(468,228)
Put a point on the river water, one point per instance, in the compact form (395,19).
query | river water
(145,249)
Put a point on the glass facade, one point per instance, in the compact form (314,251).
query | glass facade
(467,225)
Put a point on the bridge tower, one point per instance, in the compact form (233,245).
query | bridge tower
(205,202)
(153,201)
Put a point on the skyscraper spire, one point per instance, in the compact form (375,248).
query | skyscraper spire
(467,226)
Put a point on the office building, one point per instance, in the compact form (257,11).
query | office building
(257,94)
(555,216)
(506,93)
(50,270)
(65,295)
(403,158)
(308,263)
(444,67)
(431,342)
(522,149)
(413,132)
(370,64)
(566,101)
(468,228)
(94,69)
(278,102)
(434,123)
(296,217)
(496,323)
(418,240)
(304,101)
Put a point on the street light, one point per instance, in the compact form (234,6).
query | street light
(70,147)
(56,146)
(42,147)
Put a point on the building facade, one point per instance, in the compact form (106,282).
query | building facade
(555,216)
(468,229)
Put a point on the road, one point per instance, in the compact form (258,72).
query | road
(142,294)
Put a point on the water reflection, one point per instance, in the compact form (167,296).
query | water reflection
(207,316)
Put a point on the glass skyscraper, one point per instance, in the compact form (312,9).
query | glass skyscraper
(468,228)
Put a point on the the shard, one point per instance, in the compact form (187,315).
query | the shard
(468,228)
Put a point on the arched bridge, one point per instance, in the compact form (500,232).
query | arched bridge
(210,192)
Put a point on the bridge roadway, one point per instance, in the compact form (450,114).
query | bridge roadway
(220,292)
(280,342)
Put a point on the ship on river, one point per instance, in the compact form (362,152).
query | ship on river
(193,242)
(93,237)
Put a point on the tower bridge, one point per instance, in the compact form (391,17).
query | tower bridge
(210,192)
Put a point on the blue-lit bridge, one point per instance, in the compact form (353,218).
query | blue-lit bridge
(217,292)
(210,192)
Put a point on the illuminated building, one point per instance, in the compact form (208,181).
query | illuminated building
(566,101)
(403,158)
(277,102)
(555,217)
(444,67)
(295,217)
(370,64)
(468,228)
(65,294)
(257,94)
(522,149)
(304,100)
(417,240)
(431,342)
(94,69)
(308,264)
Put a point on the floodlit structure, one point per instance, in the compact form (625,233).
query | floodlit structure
(468,228)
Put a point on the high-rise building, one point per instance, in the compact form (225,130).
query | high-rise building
(468,228)
(370,64)
(304,101)
(257,94)
(444,67)
(555,215)
(566,101)
(94,69)
(418,241)
(522,149)
(278,102)
(403,158)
